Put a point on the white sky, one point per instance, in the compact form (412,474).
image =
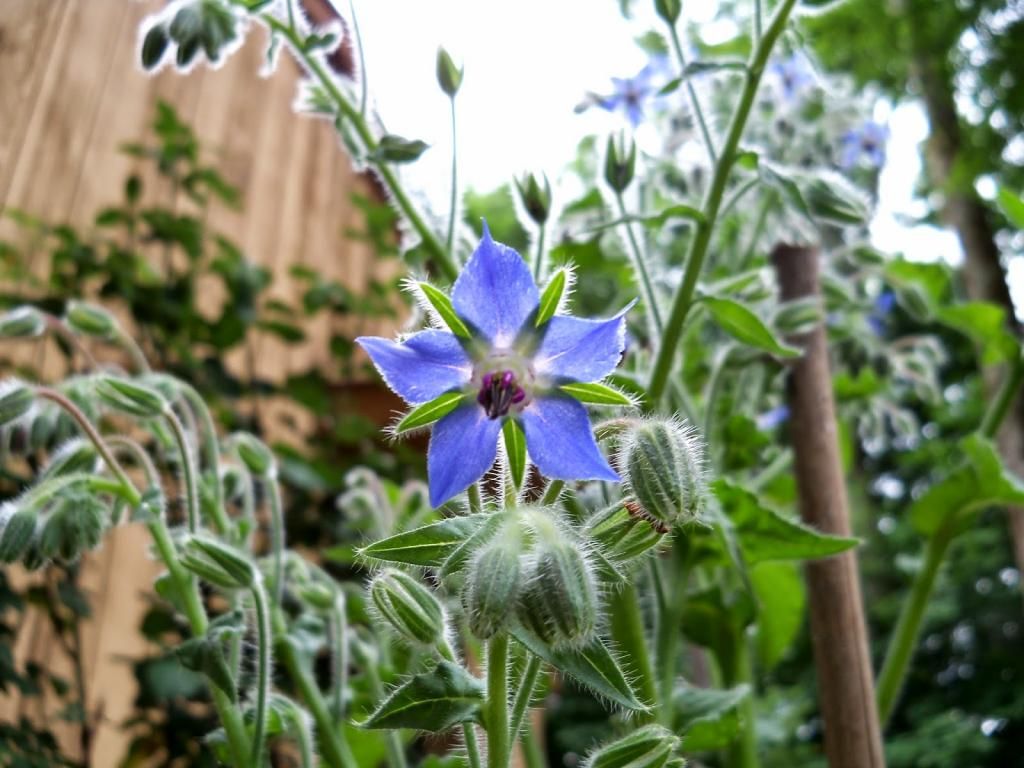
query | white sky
(527,64)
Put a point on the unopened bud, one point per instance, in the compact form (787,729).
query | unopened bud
(669,10)
(90,320)
(916,301)
(559,601)
(664,462)
(408,607)
(648,747)
(17,527)
(22,323)
(15,401)
(130,398)
(624,531)
(619,166)
(319,596)
(76,455)
(449,77)
(253,452)
(154,46)
(536,198)
(216,562)
(492,585)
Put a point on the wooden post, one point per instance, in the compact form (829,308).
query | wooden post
(839,633)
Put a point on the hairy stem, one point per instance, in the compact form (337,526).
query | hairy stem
(497,702)
(538,259)
(521,704)
(646,286)
(691,93)
(276,532)
(188,468)
(453,210)
(263,649)
(734,660)
(627,625)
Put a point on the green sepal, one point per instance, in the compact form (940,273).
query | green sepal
(596,394)
(515,449)
(432,701)
(428,413)
(443,306)
(552,297)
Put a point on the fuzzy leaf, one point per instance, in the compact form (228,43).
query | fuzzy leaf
(443,306)
(743,325)
(598,394)
(430,545)
(594,666)
(707,717)
(515,449)
(428,413)
(551,297)
(433,701)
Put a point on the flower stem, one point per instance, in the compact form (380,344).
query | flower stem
(627,627)
(339,658)
(434,247)
(210,451)
(188,468)
(276,532)
(392,742)
(264,640)
(453,210)
(1007,392)
(691,93)
(363,89)
(908,627)
(650,299)
(538,259)
(698,249)
(521,704)
(734,659)
(497,702)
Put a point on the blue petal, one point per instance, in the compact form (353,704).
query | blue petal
(575,349)
(463,446)
(495,292)
(560,441)
(425,365)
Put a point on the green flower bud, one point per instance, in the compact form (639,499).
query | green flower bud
(492,584)
(619,166)
(669,10)
(624,532)
(90,320)
(916,301)
(22,323)
(154,46)
(798,316)
(220,564)
(253,452)
(536,199)
(76,455)
(648,747)
(15,401)
(449,77)
(664,463)
(319,596)
(408,607)
(130,398)
(17,529)
(559,600)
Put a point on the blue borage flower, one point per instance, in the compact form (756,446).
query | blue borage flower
(505,366)
(865,142)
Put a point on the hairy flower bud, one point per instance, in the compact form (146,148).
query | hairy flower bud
(449,77)
(130,398)
(90,320)
(619,166)
(319,596)
(669,10)
(624,532)
(492,585)
(559,600)
(536,199)
(664,464)
(218,563)
(408,607)
(22,323)
(253,452)
(17,528)
(15,401)
(648,747)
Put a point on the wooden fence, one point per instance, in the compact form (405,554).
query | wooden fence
(70,94)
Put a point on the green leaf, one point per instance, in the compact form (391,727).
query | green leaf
(430,545)
(1013,207)
(707,717)
(781,599)
(786,187)
(981,481)
(598,394)
(743,325)
(428,413)
(443,306)
(593,666)
(764,534)
(515,449)
(551,297)
(433,701)
(396,149)
(985,324)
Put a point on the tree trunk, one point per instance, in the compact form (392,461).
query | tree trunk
(966,213)
(838,629)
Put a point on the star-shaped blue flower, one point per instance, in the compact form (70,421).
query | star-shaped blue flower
(509,368)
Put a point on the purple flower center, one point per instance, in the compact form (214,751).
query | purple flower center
(499,391)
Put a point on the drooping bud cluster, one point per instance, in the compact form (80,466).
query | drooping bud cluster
(408,607)
(652,746)
(664,465)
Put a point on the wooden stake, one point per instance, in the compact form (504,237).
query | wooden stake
(839,633)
